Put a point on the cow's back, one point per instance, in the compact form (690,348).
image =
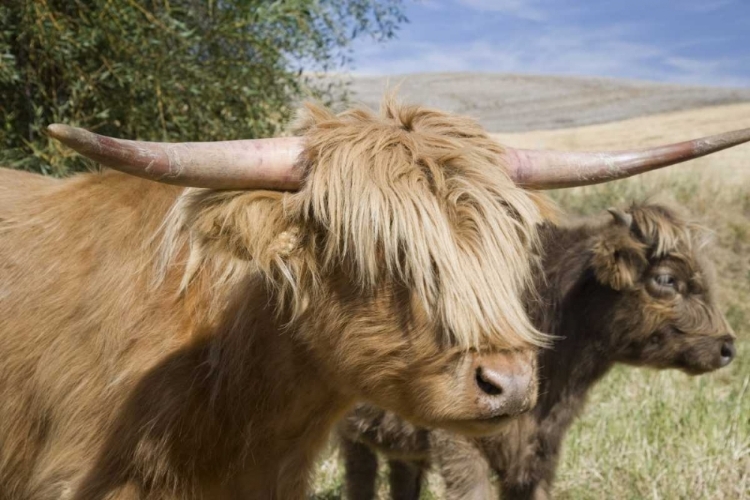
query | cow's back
(16,186)
(78,317)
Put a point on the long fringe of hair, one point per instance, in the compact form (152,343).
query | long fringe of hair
(411,194)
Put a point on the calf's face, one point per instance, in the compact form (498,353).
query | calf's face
(666,314)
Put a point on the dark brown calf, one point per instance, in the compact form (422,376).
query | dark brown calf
(636,290)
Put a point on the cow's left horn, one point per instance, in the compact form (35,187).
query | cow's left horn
(244,164)
(540,169)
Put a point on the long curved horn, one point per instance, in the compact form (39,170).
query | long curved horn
(269,163)
(245,164)
(556,169)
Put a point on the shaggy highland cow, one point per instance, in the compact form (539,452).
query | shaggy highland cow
(168,343)
(636,290)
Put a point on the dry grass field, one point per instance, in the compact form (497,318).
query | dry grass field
(647,434)
(504,102)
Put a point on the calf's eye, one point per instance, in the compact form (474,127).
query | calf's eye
(665,280)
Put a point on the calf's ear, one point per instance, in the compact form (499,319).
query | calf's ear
(619,258)
(621,218)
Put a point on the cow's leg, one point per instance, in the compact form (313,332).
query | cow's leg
(463,467)
(361,470)
(406,479)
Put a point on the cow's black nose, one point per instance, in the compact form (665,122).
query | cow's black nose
(489,382)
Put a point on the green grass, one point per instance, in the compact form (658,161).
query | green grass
(662,435)
(648,434)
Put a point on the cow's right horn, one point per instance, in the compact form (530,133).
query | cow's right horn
(540,169)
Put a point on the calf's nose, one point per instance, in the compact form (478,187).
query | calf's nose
(506,383)
(727,352)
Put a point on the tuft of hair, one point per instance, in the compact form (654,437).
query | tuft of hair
(654,231)
(667,229)
(410,195)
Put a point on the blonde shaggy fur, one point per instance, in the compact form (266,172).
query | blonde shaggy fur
(165,343)
(372,184)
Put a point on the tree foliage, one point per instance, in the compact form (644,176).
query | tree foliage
(169,69)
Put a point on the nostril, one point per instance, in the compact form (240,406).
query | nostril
(727,352)
(486,384)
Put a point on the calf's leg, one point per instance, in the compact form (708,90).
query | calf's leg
(536,491)
(406,479)
(361,470)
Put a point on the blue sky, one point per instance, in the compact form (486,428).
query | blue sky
(682,41)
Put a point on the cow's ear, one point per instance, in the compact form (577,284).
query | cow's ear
(619,258)
(251,226)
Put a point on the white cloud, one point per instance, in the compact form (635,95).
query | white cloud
(431,4)
(705,6)
(570,51)
(523,9)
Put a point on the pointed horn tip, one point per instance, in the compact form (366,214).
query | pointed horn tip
(60,131)
(73,137)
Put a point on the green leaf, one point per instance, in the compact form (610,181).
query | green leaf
(170,70)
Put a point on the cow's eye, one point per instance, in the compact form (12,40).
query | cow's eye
(665,280)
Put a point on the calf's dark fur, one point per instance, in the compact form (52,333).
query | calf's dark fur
(636,289)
